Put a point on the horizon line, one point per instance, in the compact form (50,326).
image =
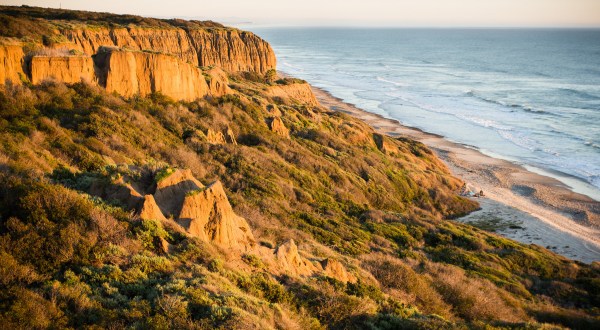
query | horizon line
(239,21)
(440,27)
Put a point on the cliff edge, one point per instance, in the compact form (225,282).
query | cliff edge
(126,54)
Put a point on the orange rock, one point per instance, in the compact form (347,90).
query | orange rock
(67,69)
(150,210)
(231,49)
(207,214)
(219,82)
(298,92)
(214,137)
(278,127)
(131,72)
(291,262)
(230,136)
(11,62)
(335,269)
(162,245)
(171,191)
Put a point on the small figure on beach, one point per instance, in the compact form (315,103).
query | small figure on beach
(481,193)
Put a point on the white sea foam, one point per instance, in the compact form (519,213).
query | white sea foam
(395,83)
(538,105)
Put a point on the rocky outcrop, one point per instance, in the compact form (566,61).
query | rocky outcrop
(214,137)
(125,72)
(171,191)
(11,62)
(203,212)
(68,69)
(206,213)
(335,269)
(162,245)
(291,262)
(120,191)
(132,73)
(150,210)
(382,143)
(230,136)
(217,82)
(294,93)
(137,60)
(279,128)
(230,49)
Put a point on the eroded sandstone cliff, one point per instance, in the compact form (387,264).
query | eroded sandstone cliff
(68,69)
(230,49)
(140,73)
(12,60)
(182,59)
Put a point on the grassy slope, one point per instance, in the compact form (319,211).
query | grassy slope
(71,259)
(76,260)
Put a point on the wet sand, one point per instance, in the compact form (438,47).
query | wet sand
(551,214)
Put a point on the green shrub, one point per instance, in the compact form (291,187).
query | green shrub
(253,260)
(148,263)
(215,265)
(149,231)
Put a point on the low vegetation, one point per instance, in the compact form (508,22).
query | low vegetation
(69,259)
(16,22)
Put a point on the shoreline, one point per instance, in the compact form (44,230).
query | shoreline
(546,199)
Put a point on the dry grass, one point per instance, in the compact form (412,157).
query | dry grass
(472,298)
(51,52)
(400,280)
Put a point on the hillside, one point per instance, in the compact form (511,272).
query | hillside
(246,206)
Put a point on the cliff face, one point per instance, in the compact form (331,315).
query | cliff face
(278,127)
(129,73)
(11,62)
(68,69)
(167,57)
(229,49)
(125,72)
(233,50)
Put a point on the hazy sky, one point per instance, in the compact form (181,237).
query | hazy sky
(355,12)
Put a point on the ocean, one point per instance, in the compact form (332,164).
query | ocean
(531,96)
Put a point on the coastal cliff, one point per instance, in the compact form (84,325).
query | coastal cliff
(231,49)
(11,62)
(68,69)
(129,59)
(130,73)
(258,208)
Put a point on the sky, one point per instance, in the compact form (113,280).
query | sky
(405,13)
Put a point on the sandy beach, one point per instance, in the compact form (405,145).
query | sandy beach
(546,211)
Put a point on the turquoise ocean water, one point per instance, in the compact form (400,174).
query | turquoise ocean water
(530,96)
